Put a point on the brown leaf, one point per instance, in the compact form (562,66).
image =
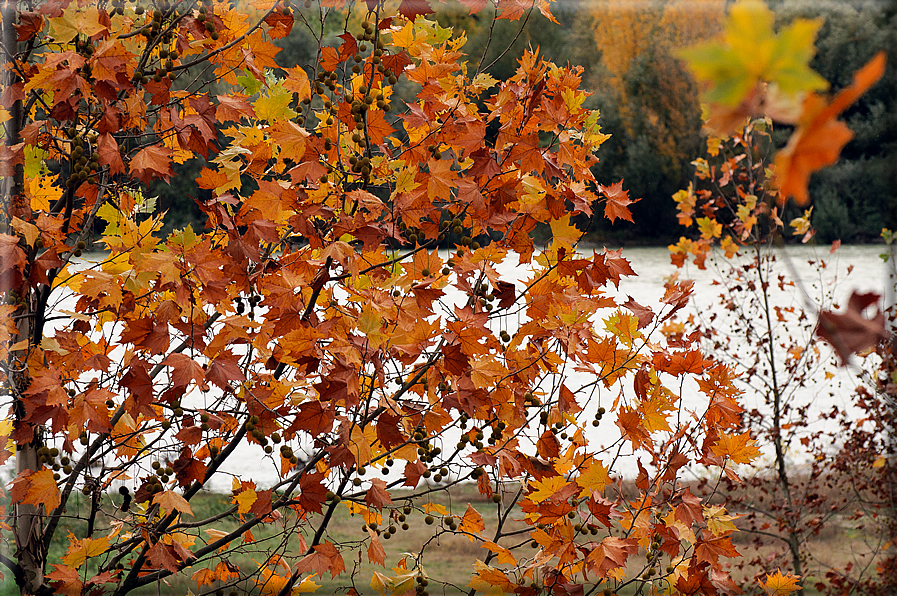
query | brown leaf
(152,162)
(645,315)
(852,332)
(377,495)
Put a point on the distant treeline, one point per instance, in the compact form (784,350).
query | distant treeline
(649,103)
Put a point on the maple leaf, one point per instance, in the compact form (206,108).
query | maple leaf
(162,556)
(185,370)
(711,550)
(852,332)
(504,555)
(472,522)
(36,488)
(326,557)
(171,501)
(66,580)
(410,9)
(617,201)
(245,500)
(12,257)
(611,553)
(741,449)
(377,496)
(81,550)
(777,584)
(152,162)
(818,140)
(376,552)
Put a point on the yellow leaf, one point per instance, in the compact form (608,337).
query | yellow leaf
(361,444)
(545,488)
(777,584)
(75,20)
(729,246)
(593,477)
(563,232)
(709,228)
(307,586)
(80,550)
(244,500)
(435,507)
(28,230)
(718,521)
(879,462)
(43,193)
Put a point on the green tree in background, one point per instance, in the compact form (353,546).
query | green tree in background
(855,197)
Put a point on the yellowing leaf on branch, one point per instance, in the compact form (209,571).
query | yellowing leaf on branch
(82,549)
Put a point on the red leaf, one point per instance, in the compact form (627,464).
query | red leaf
(313,493)
(388,432)
(314,418)
(162,556)
(262,504)
(711,550)
(413,472)
(475,6)
(411,8)
(690,511)
(109,154)
(29,25)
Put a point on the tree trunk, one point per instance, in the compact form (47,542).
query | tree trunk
(27,520)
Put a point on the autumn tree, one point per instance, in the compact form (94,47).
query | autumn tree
(650,100)
(315,325)
(734,209)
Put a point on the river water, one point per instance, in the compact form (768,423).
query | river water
(851,268)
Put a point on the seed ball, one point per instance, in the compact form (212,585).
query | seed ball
(429,520)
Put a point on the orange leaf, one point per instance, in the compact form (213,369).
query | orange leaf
(171,501)
(36,488)
(741,449)
(504,556)
(617,204)
(818,140)
(777,584)
(472,522)
(711,550)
